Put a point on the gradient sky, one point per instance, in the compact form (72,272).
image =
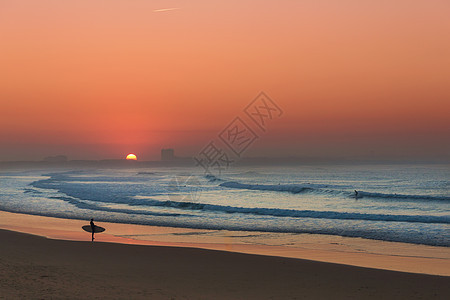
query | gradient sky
(100,79)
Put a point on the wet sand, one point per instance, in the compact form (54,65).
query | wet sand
(325,248)
(37,267)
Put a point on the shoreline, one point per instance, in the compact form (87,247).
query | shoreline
(33,266)
(411,258)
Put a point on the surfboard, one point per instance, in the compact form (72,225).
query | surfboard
(97,229)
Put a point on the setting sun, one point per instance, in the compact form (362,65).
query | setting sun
(131,156)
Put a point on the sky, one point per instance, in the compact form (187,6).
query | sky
(101,79)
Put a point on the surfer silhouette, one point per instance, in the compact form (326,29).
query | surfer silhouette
(92,228)
(356,194)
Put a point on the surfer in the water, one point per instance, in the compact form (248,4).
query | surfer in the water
(356,194)
(92,228)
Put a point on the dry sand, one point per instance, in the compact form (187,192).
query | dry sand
(40,268)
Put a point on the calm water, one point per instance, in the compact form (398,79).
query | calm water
(394,203)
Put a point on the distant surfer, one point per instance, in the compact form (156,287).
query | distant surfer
(356,194)
(92,228)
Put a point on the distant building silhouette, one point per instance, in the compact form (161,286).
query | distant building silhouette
(167,154)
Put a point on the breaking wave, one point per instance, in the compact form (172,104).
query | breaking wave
(330,189)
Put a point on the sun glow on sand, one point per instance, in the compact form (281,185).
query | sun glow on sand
(131,156)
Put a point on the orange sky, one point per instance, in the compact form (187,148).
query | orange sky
(100,79)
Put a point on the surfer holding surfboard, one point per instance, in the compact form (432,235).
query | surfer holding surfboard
(93,228)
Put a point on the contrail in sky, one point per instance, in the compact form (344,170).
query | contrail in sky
(165,9)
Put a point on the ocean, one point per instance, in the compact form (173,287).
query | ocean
(400,203)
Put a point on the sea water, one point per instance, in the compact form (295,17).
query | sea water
(401,203)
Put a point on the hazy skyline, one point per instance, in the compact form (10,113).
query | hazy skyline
(101,79)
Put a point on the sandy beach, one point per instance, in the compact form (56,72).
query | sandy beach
(41,268)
